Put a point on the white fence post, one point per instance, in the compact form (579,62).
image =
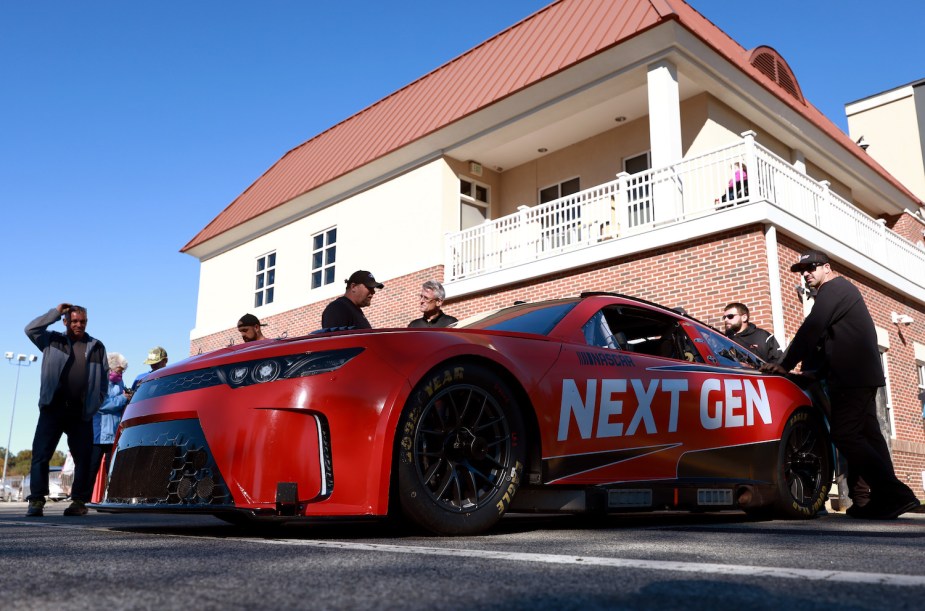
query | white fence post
(527,241)
(884,254)
(622,203)
(753,172)
(824,205)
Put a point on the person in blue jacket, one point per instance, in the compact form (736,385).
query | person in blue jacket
(106,420)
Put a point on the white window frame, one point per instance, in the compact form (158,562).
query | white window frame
(558,185)
(265,279)
(326,269)
(472,201)
(648,155)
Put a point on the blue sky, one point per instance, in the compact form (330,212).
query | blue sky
(125,127)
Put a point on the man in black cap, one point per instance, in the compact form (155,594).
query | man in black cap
(249,328)
(345,310)
(838,342)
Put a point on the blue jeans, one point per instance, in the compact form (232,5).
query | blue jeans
(55,420)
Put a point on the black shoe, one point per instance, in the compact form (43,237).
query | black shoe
(77,508)
(886,510)
(894,509)
(858,512)
(36,508)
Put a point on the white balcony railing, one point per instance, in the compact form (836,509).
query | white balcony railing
(637,203)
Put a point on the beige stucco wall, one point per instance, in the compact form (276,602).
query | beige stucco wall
(706,124)
(392,230)
(892,126)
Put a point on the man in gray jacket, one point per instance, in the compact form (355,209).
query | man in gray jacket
(75,379)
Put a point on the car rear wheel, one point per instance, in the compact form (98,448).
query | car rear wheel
(804,473)
(460,450)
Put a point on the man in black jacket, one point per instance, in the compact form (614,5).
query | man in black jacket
(740,330)
(838,340)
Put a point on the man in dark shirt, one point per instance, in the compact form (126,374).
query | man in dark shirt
(838,339)
(740,330)
(345,312)
(75,380)
(432,296)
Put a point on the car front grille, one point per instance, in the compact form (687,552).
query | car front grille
(166,464)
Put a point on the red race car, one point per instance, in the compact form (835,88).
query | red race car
(600,403)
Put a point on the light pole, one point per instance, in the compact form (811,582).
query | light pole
(19,360)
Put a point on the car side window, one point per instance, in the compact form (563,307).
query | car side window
(598,333)
(639,330)
(729,353)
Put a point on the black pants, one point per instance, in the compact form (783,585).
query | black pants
(856,434)
(55,420)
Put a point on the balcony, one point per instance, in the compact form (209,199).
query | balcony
(698,188)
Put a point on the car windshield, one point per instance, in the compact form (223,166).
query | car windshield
(539,318)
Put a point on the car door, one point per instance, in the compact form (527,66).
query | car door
(640,395)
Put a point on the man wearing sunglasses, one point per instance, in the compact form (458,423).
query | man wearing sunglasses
(739,329)
(839,341)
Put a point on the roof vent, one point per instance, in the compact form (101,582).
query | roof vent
(769,62)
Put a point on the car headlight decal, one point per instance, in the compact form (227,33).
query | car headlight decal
(249,373)
(287,367)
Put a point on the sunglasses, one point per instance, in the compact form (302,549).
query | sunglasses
(729,316)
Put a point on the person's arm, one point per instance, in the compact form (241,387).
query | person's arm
(813,328)
(115,401)
(37,330)
(774,353)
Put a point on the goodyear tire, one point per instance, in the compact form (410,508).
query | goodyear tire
(804,470)
(460,450)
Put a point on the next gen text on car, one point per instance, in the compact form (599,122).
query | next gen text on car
(599,403)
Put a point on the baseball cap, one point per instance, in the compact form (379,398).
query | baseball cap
(365,278)
(155,355)
(808,258)
(249,320)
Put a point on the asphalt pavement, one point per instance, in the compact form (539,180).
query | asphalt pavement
(644,561)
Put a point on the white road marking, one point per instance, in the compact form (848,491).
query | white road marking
(707,568)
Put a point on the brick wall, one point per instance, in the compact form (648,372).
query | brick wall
(908,226)
(394,306)
(701,277)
